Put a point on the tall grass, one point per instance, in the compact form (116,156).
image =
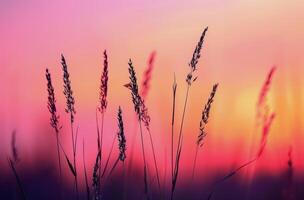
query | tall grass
(93,191)
(154,158)
(96,177)
(142,116)
(85,172)
(174,87)
(18,180)
(203,123)
(108,158)
(15,154)
(267,120)
(144,90)
(189,79)
(70,109)
(121,141)
(13,161)
(145,85)
(103,93)
(54,119)
(265,132)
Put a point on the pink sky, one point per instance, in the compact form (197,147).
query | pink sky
(245,38)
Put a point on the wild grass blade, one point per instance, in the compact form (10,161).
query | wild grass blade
(121,136)
(113,167)
(103,93)
(189,80)
(71,166)
(137,106)
(85,172)
(70,109)
(267,122)
(145,86)
(108,159)
(265,132)
(96,177)
(145,163)
(174,88)
(14,147)
(18,180)
(54,119)
(203,123)
(13,161)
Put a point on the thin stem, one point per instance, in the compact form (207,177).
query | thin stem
(114,166)
(132,146)
(97,129)
(74,159)
(183,117)
(236,170)
(230,175)
(166,139)
(22,193)
(144,159)
(98,146)
(154,158)
(108,159)
(172,125)
(85,173)
(179,145)
(59,161)
(194,164)
(101,132)
(58,154)
(165,172)
(172,144)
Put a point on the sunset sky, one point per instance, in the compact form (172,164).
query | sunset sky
(245,39)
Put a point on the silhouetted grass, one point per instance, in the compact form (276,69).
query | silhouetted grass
(189,79)
(145,86)
(70,109)
(85,173)
(54,119)
(93,190)
(141,111)
(13,162)
(103,93)
(121,141)
(203,123)
(267,122)
(96,177)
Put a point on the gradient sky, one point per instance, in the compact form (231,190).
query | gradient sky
(245,39)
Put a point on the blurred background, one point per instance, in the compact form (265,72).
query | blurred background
(245,39)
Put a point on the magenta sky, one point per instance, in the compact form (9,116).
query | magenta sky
(244,40)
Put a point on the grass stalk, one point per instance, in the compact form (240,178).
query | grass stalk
(144,160)
(74,142)
(108,159)
(85,173)
(194,163)
(174,87)
(101,144)
(202,125)
(18,180)
(54,119)
(154,159)
(179,146)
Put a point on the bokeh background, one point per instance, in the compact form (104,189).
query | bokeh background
(245,39)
